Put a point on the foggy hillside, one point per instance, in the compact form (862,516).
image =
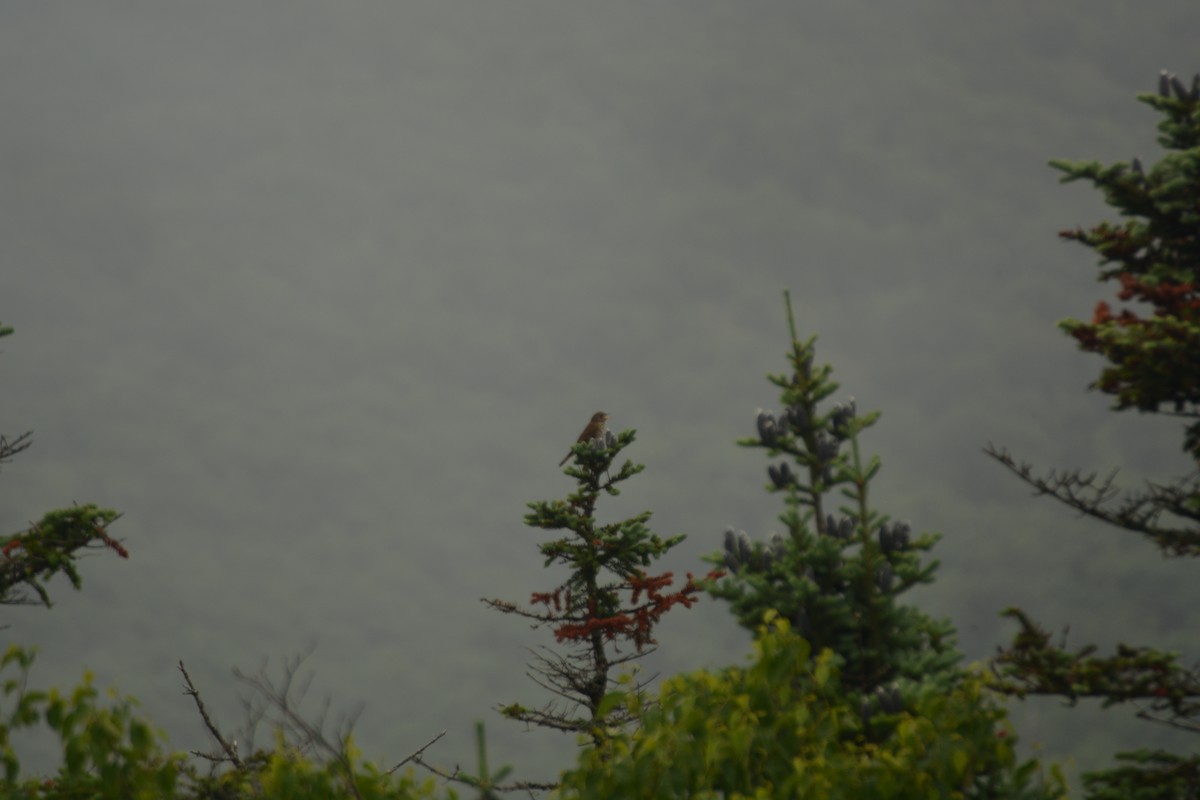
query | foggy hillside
(318,295)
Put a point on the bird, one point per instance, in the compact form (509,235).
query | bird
(594,430)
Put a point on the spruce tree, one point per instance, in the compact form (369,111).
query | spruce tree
(604,611)
(1153,366)
(839,567)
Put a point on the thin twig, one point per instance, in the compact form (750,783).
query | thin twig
(416,754)
(230,749)
(10,447)
(286,697)
(458,776)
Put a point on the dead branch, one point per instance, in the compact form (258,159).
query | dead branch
(9,448)
(417,753)
(1100,498)
(230,749)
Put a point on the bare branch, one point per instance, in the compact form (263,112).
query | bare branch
(458,776)
(285,697)
(1100,499)
(9,448)
(229,749)
(417,753)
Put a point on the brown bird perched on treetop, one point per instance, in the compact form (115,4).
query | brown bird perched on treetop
(594,430)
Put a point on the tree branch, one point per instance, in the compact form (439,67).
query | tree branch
(230,749)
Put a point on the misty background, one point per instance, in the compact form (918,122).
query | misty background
(319,294)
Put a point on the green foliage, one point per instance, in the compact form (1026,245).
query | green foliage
(50,547)
(1146,775)
(107,752)
(285,774)
(783,726)
(1154,253)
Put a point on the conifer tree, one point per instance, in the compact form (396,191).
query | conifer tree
(1154,367)
(839,567)
(850,693)
(605,610)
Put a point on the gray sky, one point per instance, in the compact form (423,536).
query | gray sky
(317,295)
